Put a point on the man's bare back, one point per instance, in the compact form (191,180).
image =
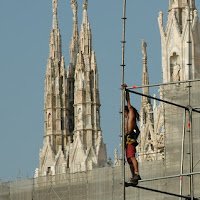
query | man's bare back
(130,123)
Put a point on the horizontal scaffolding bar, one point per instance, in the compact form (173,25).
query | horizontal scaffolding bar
(158,191)
(160,84)
(172,176)
(164,101)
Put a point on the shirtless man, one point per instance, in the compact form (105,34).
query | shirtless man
(131,135)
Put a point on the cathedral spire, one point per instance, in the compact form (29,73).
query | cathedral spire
(55,17)
(85,33)
(55,37)
(85,15)
(145,76)
(74,43)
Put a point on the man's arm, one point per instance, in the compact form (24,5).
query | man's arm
(128,100)
(127,97)
(130,108)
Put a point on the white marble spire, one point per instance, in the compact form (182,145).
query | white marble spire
(85,33)
(55,17)
(75,35)
(85,14)
(145,76)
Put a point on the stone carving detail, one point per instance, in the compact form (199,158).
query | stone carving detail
(55,6)
(49,120)
(151,120)
(74,7)
(85,4)
(79,116)
(176,73)
(144,46)
(176,40)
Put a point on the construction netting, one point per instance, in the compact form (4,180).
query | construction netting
(103,183)
(182,135)
(98,184)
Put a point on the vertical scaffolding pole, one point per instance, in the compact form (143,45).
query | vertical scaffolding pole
(191,155)
(190,110)
(123,100)
(182,154)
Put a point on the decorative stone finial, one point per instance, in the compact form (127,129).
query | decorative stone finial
(85,5)
(74,7)
(55,6)
(116,154)
(144,50)
(160,18)
(55,18)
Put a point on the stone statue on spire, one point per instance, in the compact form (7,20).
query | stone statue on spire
(144,50)
(85,4)
(55,6)
(74,6)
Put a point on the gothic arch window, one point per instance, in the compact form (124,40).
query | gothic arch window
(70,125)
(49,171)
(152,147)
(67,122)
(145,118)
(62,124)
(46,121)
(49,120)
(79,120)
(98,118)
(61,84)
(92,84)
(149,136)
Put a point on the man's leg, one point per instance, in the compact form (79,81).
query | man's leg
(132,169)
(135,164)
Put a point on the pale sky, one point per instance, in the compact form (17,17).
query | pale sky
(24,50)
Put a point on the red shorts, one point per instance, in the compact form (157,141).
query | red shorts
(130,152)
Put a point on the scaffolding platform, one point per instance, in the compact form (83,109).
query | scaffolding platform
(127,184)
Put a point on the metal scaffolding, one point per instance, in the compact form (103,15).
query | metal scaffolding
(188,110)
(191,174)
(123,98)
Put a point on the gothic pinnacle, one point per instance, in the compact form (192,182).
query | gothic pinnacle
(55,17)
(144,51)
(145,76)
(85,12)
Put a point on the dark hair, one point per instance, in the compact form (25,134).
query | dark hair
(135,112)
(126,108)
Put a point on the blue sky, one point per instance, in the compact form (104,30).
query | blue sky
(24,48)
